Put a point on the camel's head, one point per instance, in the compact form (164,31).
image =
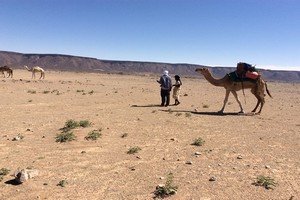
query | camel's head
(202,70)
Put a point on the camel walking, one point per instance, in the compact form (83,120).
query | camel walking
(8,70)
(257,88)
(35,70)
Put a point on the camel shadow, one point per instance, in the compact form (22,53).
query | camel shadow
(211,113)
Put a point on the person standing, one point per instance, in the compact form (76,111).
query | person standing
(176,89)
(165,82)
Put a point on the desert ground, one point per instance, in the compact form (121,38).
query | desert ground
(237,148)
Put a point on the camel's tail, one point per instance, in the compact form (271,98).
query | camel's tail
(26,68)
(268,90)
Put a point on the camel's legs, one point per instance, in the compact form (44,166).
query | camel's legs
(225,101)
(238,100)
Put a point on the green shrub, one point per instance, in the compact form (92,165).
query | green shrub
(69,125)
(134,150)
(198,142)
(65,137)
(167,189)
(93,135)
(62,183)
(266,182)
(85,123)
(3,172)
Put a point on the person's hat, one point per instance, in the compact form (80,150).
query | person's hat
(166,72)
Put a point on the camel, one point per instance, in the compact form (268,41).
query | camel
(36,69)
(8,70)
(257,88)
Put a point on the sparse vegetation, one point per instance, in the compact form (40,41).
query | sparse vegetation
(94,135)
(178,114)
(31,91)
(65,137)
(188,114)
(166,189)
(134,150)
(205,106)
(69,125)
(198,142)
(91,92)
(85,123)
(62,183)
(124,135)
(266,182)
(46,92)
(3,172)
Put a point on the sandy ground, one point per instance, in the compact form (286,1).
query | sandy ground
(268,144)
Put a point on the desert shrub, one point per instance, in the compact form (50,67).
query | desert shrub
(167,189)
(69,125)
(94,135)
(3,172)
(85,123)
(134,150)
(205,106)
(31,91)
(62,183)
(46,92)
(198,142)
(124,135)
(178,114)
(265,181)
(65,137)
(188,114)
(91,92)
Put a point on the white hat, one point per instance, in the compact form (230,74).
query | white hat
(166,72)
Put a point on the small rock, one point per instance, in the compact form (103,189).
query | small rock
(212,178)
(267,167)
(189,162)
(28,129)
(239,157)
(83,152)
(197,153)
(17,138)
(161,178)
(25,174)
(219,164)
(173,139)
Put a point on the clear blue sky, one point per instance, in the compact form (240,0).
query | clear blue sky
(208,32)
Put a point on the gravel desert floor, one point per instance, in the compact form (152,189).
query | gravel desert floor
(124,109)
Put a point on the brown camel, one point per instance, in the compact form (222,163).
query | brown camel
(8,70)
(257,88)
(36,69)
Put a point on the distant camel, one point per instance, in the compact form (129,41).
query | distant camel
(36,69)
(257,88)
(8,70)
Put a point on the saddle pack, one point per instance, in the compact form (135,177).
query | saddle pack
(244,71)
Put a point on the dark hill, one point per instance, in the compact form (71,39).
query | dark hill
(85,64)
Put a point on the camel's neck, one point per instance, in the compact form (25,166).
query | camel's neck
(214,81)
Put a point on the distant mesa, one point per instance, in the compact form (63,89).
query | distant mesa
(59,62)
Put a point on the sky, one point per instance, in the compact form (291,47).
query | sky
(265,33)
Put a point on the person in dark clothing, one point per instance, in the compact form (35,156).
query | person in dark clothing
(165,82)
